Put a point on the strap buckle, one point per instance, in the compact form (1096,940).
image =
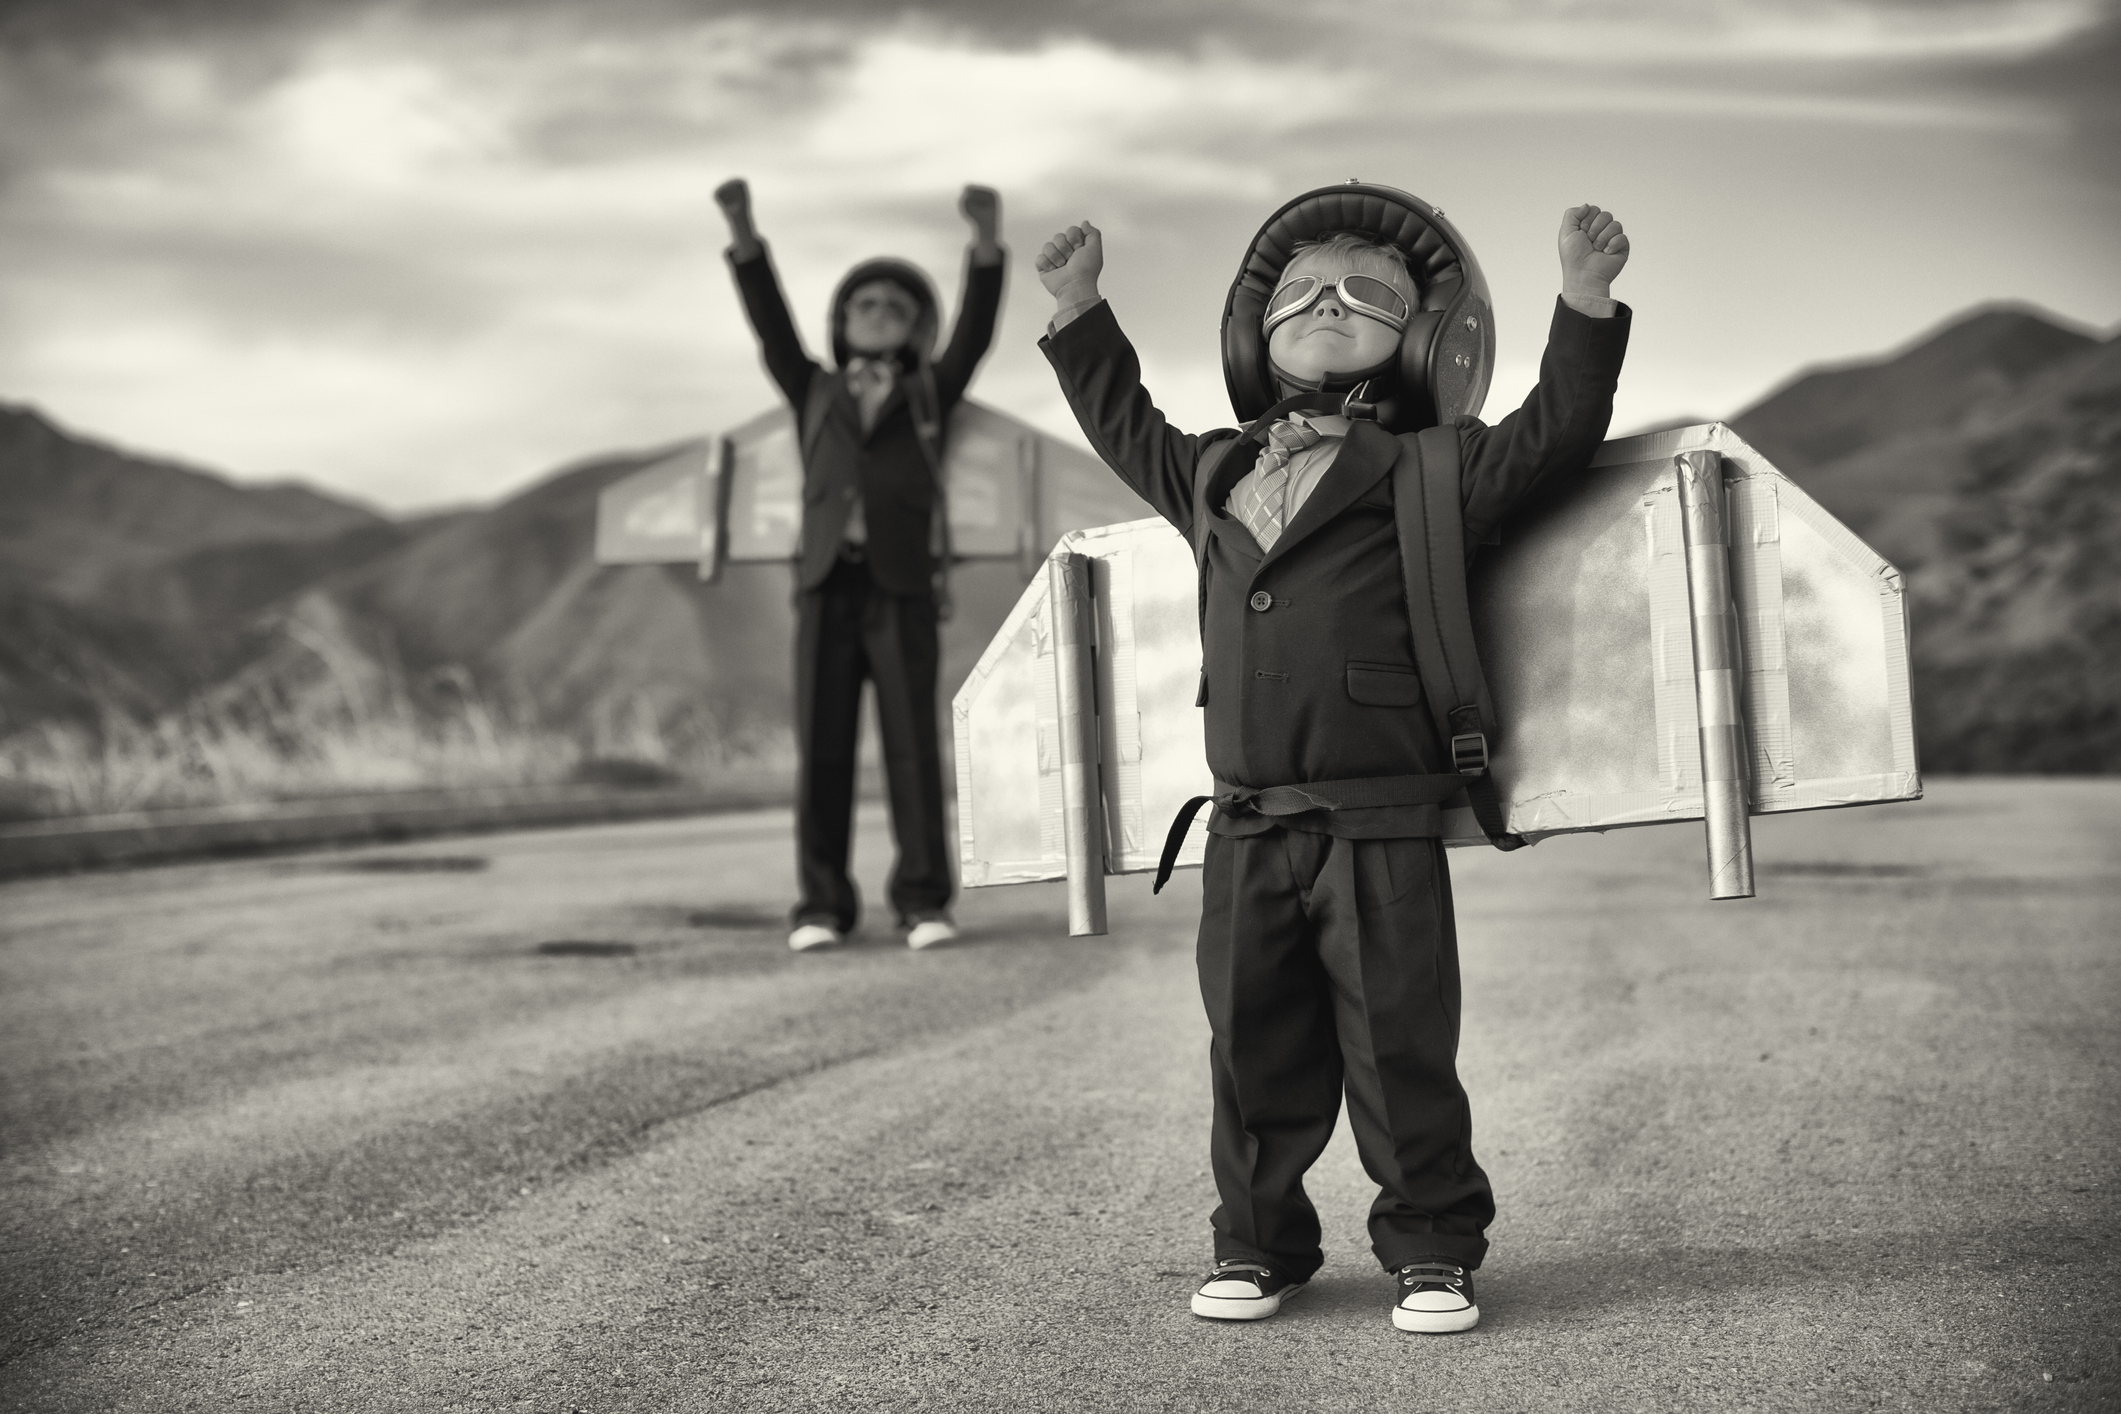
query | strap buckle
(1469,753)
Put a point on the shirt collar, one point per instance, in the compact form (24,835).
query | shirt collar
(1323,424)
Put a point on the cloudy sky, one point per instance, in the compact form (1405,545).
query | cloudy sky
(421,253)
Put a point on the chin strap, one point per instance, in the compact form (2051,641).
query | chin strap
(1359,404)
(1348,394)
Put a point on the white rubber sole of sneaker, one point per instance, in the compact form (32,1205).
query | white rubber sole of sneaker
(1436,1322)
(1222,1308)
(933,933)
(812,936)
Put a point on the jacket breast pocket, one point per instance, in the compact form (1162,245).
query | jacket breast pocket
(1384,684)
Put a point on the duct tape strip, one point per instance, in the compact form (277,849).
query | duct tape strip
(1756,585)
(1899,694)
(1663,446)
(971,870)
(1119,718)
(1836,791)
(1672,652)
(1052,751)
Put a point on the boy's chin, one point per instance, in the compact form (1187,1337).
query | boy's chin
(1329,365)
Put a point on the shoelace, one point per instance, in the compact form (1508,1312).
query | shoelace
(1431,1274)
(1227,1268)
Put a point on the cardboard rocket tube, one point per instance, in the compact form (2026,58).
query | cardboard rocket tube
(1082,798)
(1718,676)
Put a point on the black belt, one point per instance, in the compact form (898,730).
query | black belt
(1365,794)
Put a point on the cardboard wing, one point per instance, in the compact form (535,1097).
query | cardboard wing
(660,514)
(738,498)
(1682,635)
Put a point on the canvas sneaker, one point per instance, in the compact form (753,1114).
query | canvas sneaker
(1243,1291)
(815,935)
(1435,1297)
(928,932)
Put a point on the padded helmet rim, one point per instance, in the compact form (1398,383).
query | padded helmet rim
(1459,351)
(906,275)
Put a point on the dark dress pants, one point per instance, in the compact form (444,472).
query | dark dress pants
(1328,962)
(847,631)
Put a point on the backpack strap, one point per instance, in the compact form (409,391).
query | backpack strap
(1428,503)
(925,406)
(817,405)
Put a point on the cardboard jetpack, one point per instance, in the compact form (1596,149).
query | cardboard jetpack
(738,498)
(1681,634)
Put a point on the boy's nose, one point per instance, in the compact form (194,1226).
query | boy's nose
(1328,307)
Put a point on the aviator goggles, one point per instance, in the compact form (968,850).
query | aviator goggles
(1362,294)
(890,303)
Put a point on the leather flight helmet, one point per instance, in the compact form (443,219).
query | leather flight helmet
(920,345)
(1446,354)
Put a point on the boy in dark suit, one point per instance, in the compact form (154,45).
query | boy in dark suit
(1327,951)
(874,554)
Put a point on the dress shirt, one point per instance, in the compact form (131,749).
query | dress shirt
(1306,469)
(870,381)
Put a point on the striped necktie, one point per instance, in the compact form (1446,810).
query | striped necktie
(1260,500)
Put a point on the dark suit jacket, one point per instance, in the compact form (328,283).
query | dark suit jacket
(1320,684)
(886,466)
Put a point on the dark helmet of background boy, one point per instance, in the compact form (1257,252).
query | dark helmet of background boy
(920,344)
(1447,352)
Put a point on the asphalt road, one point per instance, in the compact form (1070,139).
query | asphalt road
(553,1121)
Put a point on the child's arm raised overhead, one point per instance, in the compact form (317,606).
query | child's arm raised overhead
(764,305)
(1101,377)
(1565,416)
(974,331)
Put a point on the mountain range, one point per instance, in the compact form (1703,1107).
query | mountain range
(1984,460)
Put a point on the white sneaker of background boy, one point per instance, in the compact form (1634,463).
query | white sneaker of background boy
(811,934)
(929,930)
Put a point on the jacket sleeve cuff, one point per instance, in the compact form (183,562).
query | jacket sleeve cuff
(1091,335)
(1576,331)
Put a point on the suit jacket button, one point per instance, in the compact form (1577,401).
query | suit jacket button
(1262,601)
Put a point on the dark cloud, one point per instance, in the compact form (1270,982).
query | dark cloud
(493,220)
(255,286)
(2080,78)
(90,25)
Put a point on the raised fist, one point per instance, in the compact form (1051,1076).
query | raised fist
(1593,250)
(1073,259)
(734,197)
(982,206)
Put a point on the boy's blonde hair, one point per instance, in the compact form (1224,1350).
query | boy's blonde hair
(1364,255)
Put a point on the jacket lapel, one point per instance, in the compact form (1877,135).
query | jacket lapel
(1231,467)
(843,409)
(1232,533)
(1367,454)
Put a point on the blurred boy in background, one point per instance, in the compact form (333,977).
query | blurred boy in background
(873,562)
